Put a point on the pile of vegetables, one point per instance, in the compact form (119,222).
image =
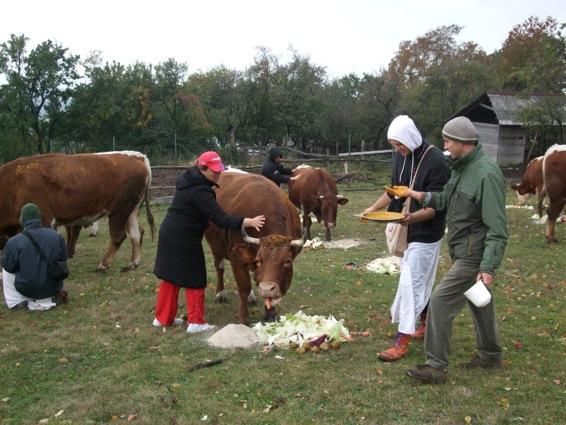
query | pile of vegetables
(302,332)
(388,265)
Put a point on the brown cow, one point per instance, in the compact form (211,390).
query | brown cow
(269,254)
(75,190)
(313,190)
(553,167)
(531,183)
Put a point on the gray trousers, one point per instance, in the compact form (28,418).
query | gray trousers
(445,303)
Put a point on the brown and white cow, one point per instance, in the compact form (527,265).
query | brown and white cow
(531,183)
(76,190)
(313,190)
(268,254)
(553,170)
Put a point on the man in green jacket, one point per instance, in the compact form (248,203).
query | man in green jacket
(474,199)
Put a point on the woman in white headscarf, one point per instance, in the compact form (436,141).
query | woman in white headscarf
(425,231)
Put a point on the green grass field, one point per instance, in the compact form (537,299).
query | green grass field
(97,359)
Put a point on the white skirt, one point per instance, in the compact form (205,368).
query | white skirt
(13,297)
(418,271)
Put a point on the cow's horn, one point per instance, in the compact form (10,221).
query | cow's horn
(300,242)
(297,242)
(248,238)
(339,197)
(515,185)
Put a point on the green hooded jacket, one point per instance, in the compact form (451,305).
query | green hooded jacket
(474,200)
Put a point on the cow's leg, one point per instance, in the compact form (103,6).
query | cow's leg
(554,210)
(540,199)
(135,233)
(252,300)
(244,283)
(220,292)
(328,234)
(307,221)
(117,229)
(72,238)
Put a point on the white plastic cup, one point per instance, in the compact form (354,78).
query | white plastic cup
(478,294)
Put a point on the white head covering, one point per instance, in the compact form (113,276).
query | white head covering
(404,130)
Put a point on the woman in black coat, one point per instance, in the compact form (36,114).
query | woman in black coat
(273,167)
(180,258)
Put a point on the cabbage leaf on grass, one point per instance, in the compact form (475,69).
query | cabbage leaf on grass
(300,327)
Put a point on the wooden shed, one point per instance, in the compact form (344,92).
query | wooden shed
(501,132)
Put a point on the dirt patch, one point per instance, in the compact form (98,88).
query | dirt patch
(343,243)
(234,336)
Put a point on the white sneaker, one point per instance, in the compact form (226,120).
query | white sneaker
(194,328)
(177,322)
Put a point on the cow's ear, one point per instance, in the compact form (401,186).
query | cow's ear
(244,252)
(342,201)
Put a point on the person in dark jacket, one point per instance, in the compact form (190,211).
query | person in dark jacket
(273,168)
(29,284)
(422,165)
(180,259)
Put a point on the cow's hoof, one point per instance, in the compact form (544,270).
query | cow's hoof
(101,269)
(270,315)
(221,298)
(129,267)
(551,240)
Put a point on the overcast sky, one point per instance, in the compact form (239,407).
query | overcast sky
(344,36)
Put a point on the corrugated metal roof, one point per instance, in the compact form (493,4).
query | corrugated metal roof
(507,107)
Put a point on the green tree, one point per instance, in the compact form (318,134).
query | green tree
(437,76)
(533,57)
(38,88)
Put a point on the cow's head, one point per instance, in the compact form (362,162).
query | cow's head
(523,192)
(329,208)
(271,260)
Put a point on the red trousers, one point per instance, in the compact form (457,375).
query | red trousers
(166,307)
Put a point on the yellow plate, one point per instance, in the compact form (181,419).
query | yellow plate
(395,190)
(383,216)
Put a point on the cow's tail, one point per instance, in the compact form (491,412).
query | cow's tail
(146,198)
(150,218)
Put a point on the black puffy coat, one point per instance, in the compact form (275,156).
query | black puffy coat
(180,256)
(21,258)
(273,170)
(432,176)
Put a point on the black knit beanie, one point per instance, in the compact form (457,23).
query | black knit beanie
(29,212)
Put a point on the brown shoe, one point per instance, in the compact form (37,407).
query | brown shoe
(477,361)
(420,332)
(398,350)
(428,374)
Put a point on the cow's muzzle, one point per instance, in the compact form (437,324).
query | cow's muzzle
(269,290)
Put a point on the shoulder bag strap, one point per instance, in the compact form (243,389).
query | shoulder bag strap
(36,246)
(408,201)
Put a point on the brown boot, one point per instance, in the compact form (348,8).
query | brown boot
(420,331)
(398,350)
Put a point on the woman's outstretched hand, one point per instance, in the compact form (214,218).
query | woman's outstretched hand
(256,222)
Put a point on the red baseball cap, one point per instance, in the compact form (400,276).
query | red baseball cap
(211,160)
